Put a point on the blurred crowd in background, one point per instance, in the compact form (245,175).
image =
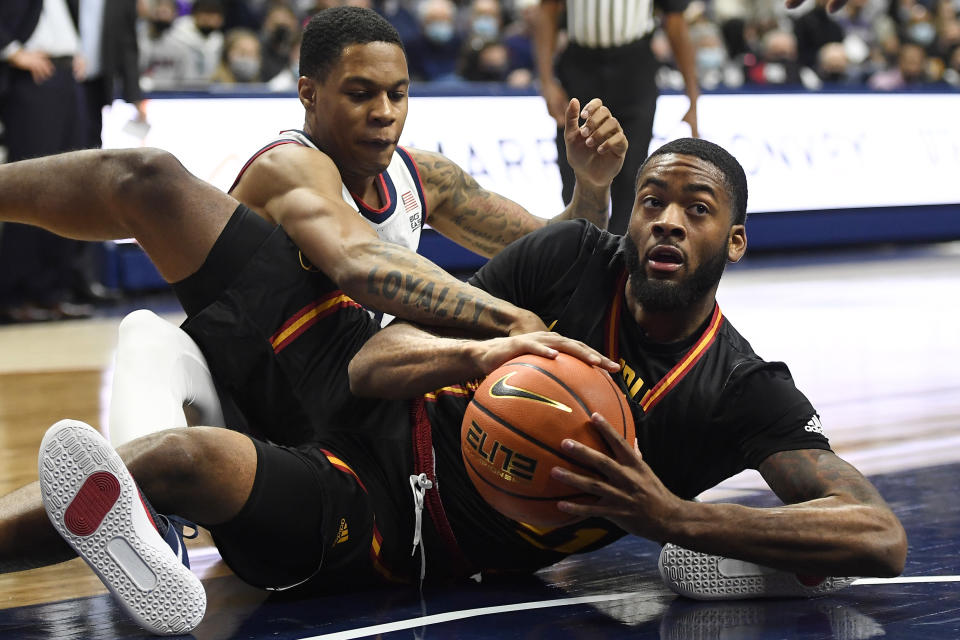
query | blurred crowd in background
(881,44)
(61,61)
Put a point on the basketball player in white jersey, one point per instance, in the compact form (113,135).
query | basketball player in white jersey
(353,87)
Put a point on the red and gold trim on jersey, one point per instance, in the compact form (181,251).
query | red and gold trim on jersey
(673,377)
(308,316)
(465,390)
(376,541)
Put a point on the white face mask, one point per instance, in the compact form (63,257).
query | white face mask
(439,31)
(710,58)
(485,27)
(245,69)
(923,33)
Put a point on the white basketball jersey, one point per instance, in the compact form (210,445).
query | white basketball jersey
(401,218)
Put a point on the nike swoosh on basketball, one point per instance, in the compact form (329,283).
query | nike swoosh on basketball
(501,389)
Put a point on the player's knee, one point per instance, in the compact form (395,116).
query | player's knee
(170,462)
(141,329)
(145,179)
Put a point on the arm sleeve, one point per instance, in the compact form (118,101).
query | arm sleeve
(768,414)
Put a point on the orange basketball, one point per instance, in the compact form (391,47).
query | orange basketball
(511,433)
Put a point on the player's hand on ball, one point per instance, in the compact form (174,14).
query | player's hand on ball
(629,493)
(493,353)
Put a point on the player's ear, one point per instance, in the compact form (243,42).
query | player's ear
(736,243)
(307,91)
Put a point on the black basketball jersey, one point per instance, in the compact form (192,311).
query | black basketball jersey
(705,408)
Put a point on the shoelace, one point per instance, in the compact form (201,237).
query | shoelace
(419,485)
(180,524)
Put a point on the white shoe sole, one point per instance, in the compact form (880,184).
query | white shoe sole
(706,577)
(93,502)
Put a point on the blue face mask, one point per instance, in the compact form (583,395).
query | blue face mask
(439,32)
(922,33)
(485,27)
(710,58)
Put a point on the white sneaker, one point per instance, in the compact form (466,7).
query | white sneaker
(706,577)
(93,502)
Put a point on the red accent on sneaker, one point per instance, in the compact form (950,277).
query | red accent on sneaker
(810,581)
(94,499)
(147,511)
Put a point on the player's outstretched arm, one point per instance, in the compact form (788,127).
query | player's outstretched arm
(485,222)
(595,151)
(404,361)
(300,189)
(834,521)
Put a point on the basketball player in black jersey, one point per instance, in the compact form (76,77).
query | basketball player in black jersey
(706,407)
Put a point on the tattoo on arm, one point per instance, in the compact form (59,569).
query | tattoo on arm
(809,474)
(587,204)
(418,293)
(488,222)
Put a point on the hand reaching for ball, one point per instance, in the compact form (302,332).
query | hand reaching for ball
(623,489)
(491,354)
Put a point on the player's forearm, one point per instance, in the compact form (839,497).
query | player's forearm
(545,38)
(589,202)
(395,280)
(404,361)
(679,37)
(829,536)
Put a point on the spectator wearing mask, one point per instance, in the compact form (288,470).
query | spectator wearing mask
(484,23)
(778,64)
(197,42)
(714,67)
(278,35)
(240,59)
(434,55)
(158,55)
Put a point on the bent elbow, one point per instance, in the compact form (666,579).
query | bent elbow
(360,377)
(888,555)
(896,554)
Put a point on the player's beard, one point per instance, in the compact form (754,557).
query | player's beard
(668,295)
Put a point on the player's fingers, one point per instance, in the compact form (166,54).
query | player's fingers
(590,108)
(584,484)
(611,470)
(593,122)
(621,449)
(582,351)
(616,144)
(609,136)
(572,115)
(596,510)
(835,5)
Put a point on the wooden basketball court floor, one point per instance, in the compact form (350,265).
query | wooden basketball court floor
(872,338)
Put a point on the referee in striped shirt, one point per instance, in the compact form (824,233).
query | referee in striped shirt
(608,57)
